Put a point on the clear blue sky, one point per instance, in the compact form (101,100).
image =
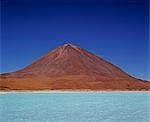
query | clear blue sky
(116,30)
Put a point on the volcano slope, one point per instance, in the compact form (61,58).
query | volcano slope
(70,67)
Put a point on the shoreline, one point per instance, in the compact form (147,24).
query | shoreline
(70,91)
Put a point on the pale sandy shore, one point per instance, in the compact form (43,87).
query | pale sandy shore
(62,91)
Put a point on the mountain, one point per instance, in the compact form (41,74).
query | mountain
(70,67)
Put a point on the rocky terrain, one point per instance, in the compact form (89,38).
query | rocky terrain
(70,67)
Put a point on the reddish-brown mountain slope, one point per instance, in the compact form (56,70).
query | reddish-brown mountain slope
(72,68)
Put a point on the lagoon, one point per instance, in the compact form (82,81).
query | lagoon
(75,107)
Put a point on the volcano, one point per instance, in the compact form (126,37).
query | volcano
(70,67)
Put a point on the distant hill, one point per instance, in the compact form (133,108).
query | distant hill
(69,67)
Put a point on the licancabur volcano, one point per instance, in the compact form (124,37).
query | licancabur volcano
(69,67)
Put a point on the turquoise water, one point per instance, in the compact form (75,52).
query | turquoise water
(75,107)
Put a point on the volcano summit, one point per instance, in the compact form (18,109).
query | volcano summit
(70,67)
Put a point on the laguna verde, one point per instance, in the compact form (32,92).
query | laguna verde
(75,107)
